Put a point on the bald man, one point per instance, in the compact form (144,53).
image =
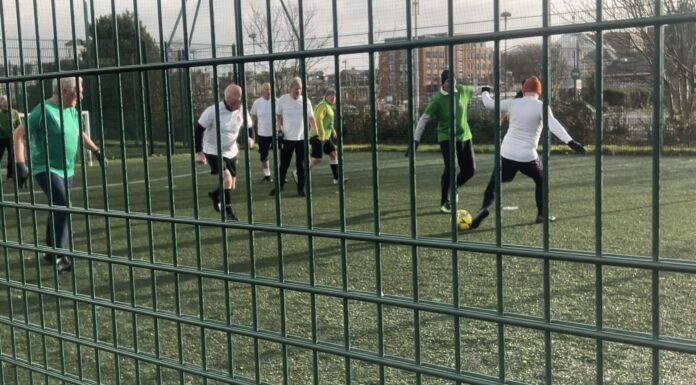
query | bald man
(231,118)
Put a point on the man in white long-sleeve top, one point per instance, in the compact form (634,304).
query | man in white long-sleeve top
(518,151)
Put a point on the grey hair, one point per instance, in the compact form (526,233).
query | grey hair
(296,81)
(65,84)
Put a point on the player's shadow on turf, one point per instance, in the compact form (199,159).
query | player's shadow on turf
(166,278)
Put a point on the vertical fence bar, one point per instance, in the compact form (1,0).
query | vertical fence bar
(308,198)
(412,109)
(169,144)
(375,185)
(454,226)
(124,176)
(17,211)
(277,182)
(175,256)
(499,266)
(545,137)
(341,193)
(2,197)
(73,277)
(50,215)
(66,182)
(658,67)
(105,193)
(599,132)
(194,193)
(141,53)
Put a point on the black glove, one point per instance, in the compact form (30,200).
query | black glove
(485,89)
(100,158)
(413,146)
(576,146)
(22,174)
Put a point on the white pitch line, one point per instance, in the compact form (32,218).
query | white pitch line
(113,184)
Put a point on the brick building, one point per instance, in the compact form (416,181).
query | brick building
(472,63)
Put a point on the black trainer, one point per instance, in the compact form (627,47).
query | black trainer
(274,191)
(231,216)
(216,200)
(266,179)
(49,259)
(483,214)
(301,193)
(540,219)
(63,264)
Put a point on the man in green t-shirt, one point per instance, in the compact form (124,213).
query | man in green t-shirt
(323,143)
(9,120)
(54,128)
(439,110)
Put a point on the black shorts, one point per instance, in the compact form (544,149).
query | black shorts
(265,144)
(318,146)
(229,163)
(532,169)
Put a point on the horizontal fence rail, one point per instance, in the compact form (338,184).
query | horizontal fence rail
(342,267)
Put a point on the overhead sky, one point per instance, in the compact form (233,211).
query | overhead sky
(389,18)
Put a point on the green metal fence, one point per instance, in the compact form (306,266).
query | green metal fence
(359,283)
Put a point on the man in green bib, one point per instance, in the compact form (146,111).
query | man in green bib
(54,128)
(9,120)
(439,110)
(323,142)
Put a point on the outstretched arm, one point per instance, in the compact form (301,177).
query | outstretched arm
(89,143)
(488,102)
(557,128)
(19,146)
(422,122)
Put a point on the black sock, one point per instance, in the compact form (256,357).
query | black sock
(215,192)
(334,170)
(228,197)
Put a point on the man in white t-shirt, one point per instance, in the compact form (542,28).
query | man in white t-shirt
(518,151)
(290,117)
(231,115)
(261,114)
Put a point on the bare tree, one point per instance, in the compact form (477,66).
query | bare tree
(679,48)
(525,61)
(285,36)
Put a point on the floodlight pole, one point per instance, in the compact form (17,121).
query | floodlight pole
(178,19)
(505,16)
(253,52)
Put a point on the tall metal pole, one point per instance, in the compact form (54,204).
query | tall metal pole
(253,52)
(505,16)
(416,59)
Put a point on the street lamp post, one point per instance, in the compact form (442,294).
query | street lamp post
(505,16)
(345,77)
(253,52)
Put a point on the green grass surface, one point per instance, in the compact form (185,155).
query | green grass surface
(626,229)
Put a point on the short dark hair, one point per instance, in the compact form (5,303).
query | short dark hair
(444,76)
